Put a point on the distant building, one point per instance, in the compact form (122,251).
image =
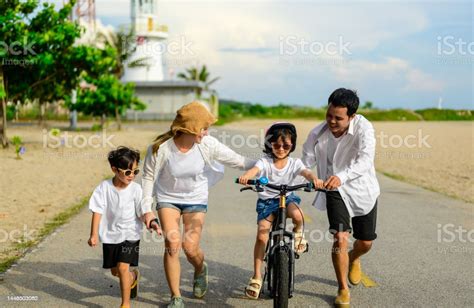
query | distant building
(163,97)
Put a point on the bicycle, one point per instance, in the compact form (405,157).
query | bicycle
(279,254)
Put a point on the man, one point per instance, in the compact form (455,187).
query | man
(343,148)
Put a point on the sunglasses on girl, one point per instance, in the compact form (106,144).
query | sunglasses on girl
(128,172)
(285,146)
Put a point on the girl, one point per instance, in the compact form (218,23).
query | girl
(279,168)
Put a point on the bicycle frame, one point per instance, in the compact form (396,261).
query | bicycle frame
(280,241)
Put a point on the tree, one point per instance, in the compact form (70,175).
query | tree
(199,74)
(107,96)
(368,105)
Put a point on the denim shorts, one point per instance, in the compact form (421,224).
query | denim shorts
(183,208)
(269,206)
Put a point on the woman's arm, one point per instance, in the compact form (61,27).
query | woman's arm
(250,174)
(226,156)
(148,180)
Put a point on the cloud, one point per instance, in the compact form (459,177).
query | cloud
(391,70)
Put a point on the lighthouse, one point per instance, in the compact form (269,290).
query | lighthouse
(150,36)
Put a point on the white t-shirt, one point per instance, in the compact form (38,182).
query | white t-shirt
(289,175)
(333,143)
(120,210)
(182,179)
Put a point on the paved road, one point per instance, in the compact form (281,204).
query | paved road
(419,259)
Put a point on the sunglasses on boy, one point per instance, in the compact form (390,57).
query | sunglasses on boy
(128,172)
(277,146)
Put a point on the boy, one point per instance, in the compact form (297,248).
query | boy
(116,213)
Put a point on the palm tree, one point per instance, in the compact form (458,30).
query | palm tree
(202,75)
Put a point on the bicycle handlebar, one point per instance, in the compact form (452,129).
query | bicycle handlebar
(264,182)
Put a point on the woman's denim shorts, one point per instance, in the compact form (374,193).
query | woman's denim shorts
(183,208)
(269,206)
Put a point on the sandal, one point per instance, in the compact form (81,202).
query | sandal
(254,285)
(301,245)
(134,286)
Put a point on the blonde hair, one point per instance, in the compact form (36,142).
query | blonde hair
(161,139)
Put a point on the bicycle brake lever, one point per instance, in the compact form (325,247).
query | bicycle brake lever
(246,188)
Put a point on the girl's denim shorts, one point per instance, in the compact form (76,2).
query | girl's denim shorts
(269,206)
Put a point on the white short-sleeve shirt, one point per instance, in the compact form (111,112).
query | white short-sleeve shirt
(120,210)
(288,175)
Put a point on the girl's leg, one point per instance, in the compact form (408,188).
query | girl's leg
(193,223)
(296,215)
(126,281)
(169,219)
(261,241)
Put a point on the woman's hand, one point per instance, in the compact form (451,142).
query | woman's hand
(244,179)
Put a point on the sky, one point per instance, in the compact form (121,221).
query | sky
(397,54)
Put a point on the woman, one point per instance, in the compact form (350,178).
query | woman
(179,168)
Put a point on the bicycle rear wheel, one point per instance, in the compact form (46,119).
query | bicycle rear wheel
(281,278)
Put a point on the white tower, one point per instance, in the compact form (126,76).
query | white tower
(150,37)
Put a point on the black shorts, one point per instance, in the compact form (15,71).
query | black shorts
(125,252)
(340,220)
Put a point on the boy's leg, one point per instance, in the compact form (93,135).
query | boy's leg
(114,271)
(126,280)
(169,219)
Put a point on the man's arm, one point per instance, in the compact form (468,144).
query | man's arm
(364,159)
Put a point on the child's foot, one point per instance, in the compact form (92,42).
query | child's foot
(252,290)
(134,287)
(301,245)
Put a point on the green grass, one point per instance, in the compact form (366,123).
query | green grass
(391,115)
(446,115)
(20,249)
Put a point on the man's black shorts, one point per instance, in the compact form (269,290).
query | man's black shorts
(340,220)
(126,252)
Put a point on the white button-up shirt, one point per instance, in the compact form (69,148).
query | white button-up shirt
(353,164)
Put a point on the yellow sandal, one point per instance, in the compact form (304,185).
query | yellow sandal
(134,286)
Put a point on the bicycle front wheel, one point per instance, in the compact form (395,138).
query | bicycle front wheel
(281,279)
